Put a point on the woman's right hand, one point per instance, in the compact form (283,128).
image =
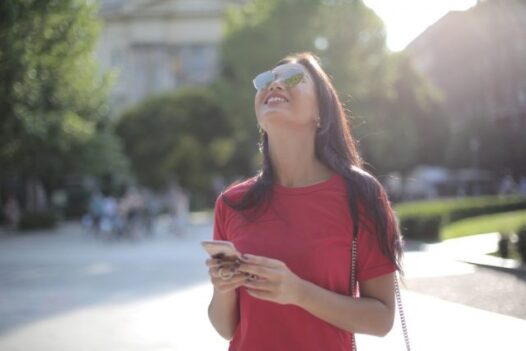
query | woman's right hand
(224,285)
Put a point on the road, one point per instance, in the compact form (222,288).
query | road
(66,290)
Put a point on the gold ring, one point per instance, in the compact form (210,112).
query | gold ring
(224,275)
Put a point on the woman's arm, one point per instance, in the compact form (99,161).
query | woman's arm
(372,313)
(223,310)
(223,313)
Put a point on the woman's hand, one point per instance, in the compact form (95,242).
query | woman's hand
(220,270)
(275,281)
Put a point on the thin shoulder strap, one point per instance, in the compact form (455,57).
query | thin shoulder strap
(397,293)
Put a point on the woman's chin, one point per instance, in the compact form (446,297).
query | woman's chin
(275,112)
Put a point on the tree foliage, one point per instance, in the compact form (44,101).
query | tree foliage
(53,101)
(394,114)
(182,136)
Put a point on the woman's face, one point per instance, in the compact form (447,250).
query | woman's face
(283,106)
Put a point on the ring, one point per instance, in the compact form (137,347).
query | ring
(224,275)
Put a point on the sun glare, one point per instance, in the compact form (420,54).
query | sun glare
(406,19)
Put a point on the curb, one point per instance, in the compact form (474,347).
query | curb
(503,264)
(461,249)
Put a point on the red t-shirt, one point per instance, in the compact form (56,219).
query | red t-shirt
(310,229)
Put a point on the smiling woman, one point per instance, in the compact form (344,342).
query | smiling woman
(285,95)
(297,224)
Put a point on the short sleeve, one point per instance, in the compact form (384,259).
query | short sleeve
(371,262)
(219,219)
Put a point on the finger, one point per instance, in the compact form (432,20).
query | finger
(261,285)
(230,284)
(260,271)
(262,261)
(235,280)
(213,272)
(213,262)
(217,272)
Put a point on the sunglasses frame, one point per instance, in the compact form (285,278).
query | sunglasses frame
(290,77)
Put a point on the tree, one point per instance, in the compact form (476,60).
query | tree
(182,135)
(408,126)
(389,109)
(53,101)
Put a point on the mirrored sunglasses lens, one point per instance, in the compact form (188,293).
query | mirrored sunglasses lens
(263,80)
(293,78)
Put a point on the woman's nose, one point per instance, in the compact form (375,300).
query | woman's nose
(277,84)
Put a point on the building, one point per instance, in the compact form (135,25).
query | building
(159,45)
(477,59)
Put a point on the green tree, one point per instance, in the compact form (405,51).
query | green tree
(407,126)
(182,135)
(53,101)
(389,109)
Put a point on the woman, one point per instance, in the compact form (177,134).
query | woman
(294,222)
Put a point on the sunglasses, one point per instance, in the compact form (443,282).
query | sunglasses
(290,77)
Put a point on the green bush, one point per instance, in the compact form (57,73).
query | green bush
(425,228)
(521,242)
(38,220)
(483,208)
(424,220)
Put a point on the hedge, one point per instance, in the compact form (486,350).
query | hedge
(38,220)
(424,220)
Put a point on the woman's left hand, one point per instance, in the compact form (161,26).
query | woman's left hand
(275,281)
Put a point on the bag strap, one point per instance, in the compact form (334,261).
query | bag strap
(397,293)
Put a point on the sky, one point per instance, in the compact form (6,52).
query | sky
(405,19)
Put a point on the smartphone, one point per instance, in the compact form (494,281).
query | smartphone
(224,250)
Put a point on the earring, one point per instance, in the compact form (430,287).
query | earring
(318,122)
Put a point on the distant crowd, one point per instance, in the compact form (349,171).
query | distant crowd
(133,215)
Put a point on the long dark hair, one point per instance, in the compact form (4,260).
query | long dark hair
(336,149)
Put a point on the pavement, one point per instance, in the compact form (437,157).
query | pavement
(67,290)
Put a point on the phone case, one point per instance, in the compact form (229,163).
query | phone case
(226,251)
(221,249)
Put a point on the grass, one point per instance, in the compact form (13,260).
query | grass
(502,222)
(441,206)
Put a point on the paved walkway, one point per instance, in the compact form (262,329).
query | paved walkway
(67,291)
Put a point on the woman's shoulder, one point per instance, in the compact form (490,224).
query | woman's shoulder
(238,188)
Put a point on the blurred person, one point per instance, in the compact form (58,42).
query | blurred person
(131,212)
(149,213)
(12,211)
(295,223)
(110,222)
(507,185)
(522,186)
(179,208)
(92,219)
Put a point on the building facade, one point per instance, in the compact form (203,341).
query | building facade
(157,46)
(477,59)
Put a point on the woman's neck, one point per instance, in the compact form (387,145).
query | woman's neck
(294,161)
